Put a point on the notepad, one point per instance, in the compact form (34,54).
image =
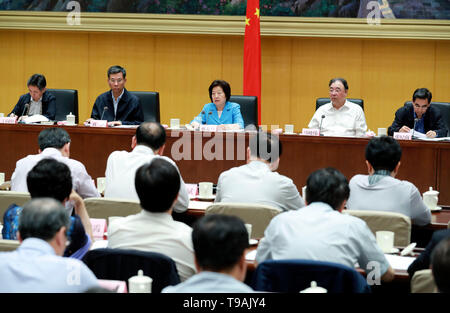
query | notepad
(399,262)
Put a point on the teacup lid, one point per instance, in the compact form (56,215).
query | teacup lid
(140,278)
(314,289)
(431,192)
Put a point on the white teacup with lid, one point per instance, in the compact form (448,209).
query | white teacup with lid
(140,283)
(70,119)
(431,198)
(314,289)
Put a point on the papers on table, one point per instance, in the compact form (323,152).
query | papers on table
(98,244)
(37,118)
(251,256)
(199,205)
(399,262)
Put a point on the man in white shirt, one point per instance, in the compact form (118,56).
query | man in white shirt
(54,143)
(220,244)
(258,181)
(37,265)
(153,229)
(148,144)
(339,117)
(320,232)
(380,190)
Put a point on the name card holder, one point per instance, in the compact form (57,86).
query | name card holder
(99,123)
(208,128)
(192,190)
(311,131)
(402,136)
(99,227)
(8,120)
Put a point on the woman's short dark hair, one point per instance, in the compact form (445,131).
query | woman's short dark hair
(327,185)
(224,85)
(37,80)
(383,153)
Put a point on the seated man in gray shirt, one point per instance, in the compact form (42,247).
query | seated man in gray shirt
(320,232)
(220,243)
(257,181)
(380,190)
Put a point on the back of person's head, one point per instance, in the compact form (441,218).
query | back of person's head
(151,134)
(440,265)
(383,153)
(422,93)
(224,85)
(42,218)
(327,185)
(157,184)
(53,138)
(117,69)
(37,80)
(219,241)
(265,146)
(343,81)
(50,178)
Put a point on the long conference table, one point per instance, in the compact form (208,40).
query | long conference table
(202,156)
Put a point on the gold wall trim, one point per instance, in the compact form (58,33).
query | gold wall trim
(227,25)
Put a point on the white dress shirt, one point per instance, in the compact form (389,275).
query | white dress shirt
(347,121)
(389,194)
(317,232)
(81,181)
(256,183)
(121,170)
(156,232)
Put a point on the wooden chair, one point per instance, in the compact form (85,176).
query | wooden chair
(423,282)
(9,245)
(9,197)
(106,207)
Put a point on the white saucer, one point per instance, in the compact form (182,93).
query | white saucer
(253,242)
(438,208)
(394,250)
(206,198)
(290,133)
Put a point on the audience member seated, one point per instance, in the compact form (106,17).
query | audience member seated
(380,190)
(50,178)
(54,143)
(37,265)
(148,144)
(117,106)
(257,181)
(339,117)
(440,265)
(37,101)
(320,232)
(423,260)
(153,229)
(220,243)
(221,112)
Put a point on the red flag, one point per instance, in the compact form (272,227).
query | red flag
(252,54)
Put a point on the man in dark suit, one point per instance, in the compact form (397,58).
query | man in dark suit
(37,101)
(117,106)
(420,114)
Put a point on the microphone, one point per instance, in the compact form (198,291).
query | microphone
(320,127)
(414,128)
(25,111)
(104,109)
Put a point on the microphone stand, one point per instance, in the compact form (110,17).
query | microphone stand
(320,126)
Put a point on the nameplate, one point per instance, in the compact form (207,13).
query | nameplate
(311,132)
(402,136)
(117,286)
(8,120)
(98,227)
(192,190)
(99,123)
(208,128)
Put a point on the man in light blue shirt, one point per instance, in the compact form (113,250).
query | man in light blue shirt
(220,243)
(37,265)
(320,232)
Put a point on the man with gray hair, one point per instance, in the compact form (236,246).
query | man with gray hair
(257,181)
(37,265)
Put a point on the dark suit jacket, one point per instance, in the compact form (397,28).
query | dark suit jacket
(129,110)
(423,261)
(432,120)
(48,105)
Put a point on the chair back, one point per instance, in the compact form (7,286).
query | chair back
(9,197)
(398,223)
(256,214)
(106,207)
(121,264)
(322,101)
(150,104)
(444,108)
(66,102)
(296,275)
(423,282)
(9,245)
(249,108)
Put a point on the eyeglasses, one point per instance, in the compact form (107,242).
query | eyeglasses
(116,80)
